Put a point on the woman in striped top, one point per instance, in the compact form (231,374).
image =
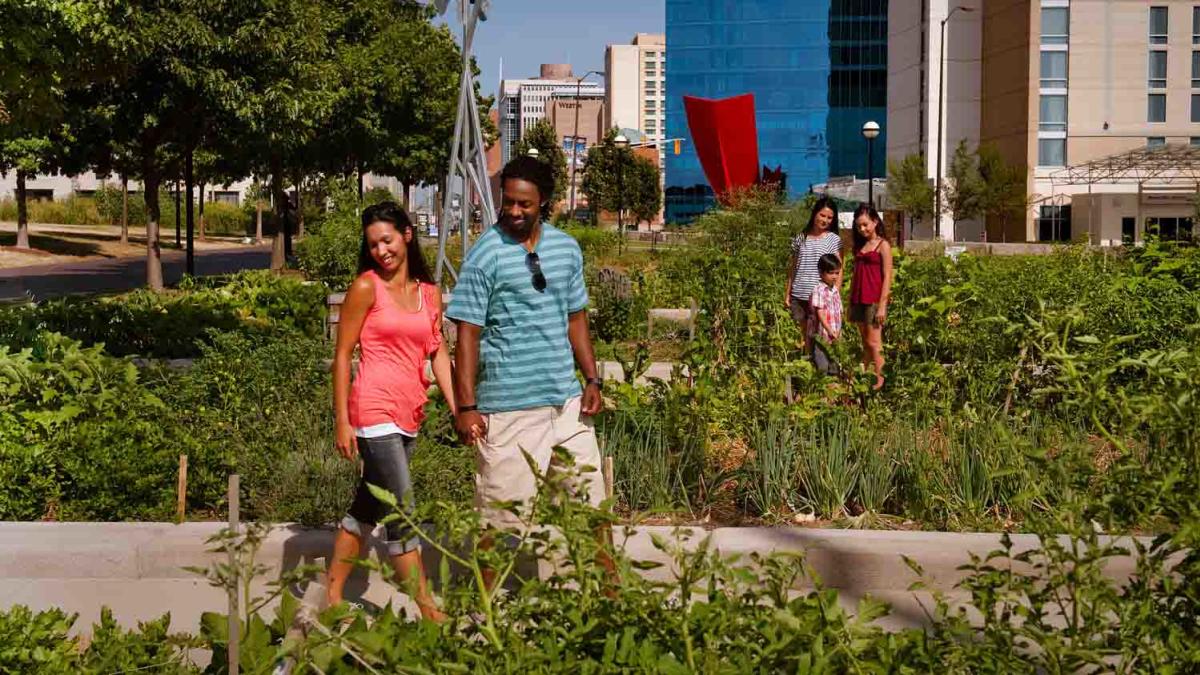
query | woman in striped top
(819,238)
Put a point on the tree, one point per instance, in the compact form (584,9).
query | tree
(41,54)
(644,189)
(615,177)
(543,137)
(964,189)
(1005,194)
(910,188)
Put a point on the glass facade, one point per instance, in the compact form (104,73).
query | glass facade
(818,72)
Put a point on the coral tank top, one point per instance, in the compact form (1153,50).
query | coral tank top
(393,345)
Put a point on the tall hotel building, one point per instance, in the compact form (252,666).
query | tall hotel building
(817,70)
(1098,99)
(635,87)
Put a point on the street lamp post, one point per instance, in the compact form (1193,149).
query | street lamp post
(575,138)
(622,144)
(870,131)
(937,215)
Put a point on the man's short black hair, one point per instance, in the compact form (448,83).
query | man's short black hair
(535,171)
(828,263)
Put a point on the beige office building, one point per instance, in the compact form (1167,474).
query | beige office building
(1099,99)
(635,85)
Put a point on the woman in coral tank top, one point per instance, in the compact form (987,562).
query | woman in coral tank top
(393,314)
(871,286)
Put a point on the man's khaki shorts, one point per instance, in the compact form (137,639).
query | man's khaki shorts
(501,472)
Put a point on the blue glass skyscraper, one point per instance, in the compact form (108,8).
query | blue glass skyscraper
(817,69)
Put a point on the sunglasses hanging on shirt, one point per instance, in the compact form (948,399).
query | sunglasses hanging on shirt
(535,266)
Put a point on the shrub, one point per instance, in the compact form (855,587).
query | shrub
(174,325)
(329,251)
(226,219)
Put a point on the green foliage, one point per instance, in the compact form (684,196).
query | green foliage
(616,178)
(175,325)
(910,188)
(329,251)
(964,189)
(80,438)
(543,137)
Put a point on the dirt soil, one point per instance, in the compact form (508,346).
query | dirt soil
(74,243)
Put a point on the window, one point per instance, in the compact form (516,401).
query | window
(1054,70)
(1055,25)
(1128,230)
(1158,25)
(1196,25)
(1158,70)
(1196,107)
(1156,109)
(1156,141)
(1194,141)
(1170,229)
(1053,113)
(1052,152)
(650,106)
(1054,223)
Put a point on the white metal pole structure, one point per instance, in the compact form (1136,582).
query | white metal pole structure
(468,162)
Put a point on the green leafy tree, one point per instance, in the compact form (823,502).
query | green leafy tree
(544,138)
(600,174)
(909,187)
(644,189)
(42,52)
(1004,194)
(288,89)
(964,189)
(615,178)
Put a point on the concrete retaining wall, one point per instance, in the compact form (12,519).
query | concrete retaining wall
(137,568)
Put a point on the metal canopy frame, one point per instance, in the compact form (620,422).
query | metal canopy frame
(1163,168)
(1174,164)
(467,174)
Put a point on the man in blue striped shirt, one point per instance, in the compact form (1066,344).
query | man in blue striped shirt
(521,308)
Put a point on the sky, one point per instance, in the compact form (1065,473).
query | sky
(527,33)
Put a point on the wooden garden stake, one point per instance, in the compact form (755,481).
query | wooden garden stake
(235,623)
(692,319)
(181,490)
(608,477)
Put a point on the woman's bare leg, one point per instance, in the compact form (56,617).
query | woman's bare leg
(346,546)
(410,572)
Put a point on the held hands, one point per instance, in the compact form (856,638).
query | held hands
(880,315)
(470,426)
(345,441)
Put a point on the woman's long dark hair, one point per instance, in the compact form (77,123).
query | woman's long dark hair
(865,209)
(822,204)
(391,212)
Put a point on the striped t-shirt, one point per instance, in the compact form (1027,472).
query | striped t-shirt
(525,357)
(808,250)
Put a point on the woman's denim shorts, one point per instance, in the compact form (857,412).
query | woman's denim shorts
(385,465)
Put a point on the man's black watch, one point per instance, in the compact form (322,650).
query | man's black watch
(466,408)
(596,381)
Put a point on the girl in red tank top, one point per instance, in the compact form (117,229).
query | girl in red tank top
(392,314)
(871,285)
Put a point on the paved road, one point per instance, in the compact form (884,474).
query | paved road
(120,274)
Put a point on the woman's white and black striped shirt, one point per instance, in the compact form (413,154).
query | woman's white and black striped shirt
(808,250)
